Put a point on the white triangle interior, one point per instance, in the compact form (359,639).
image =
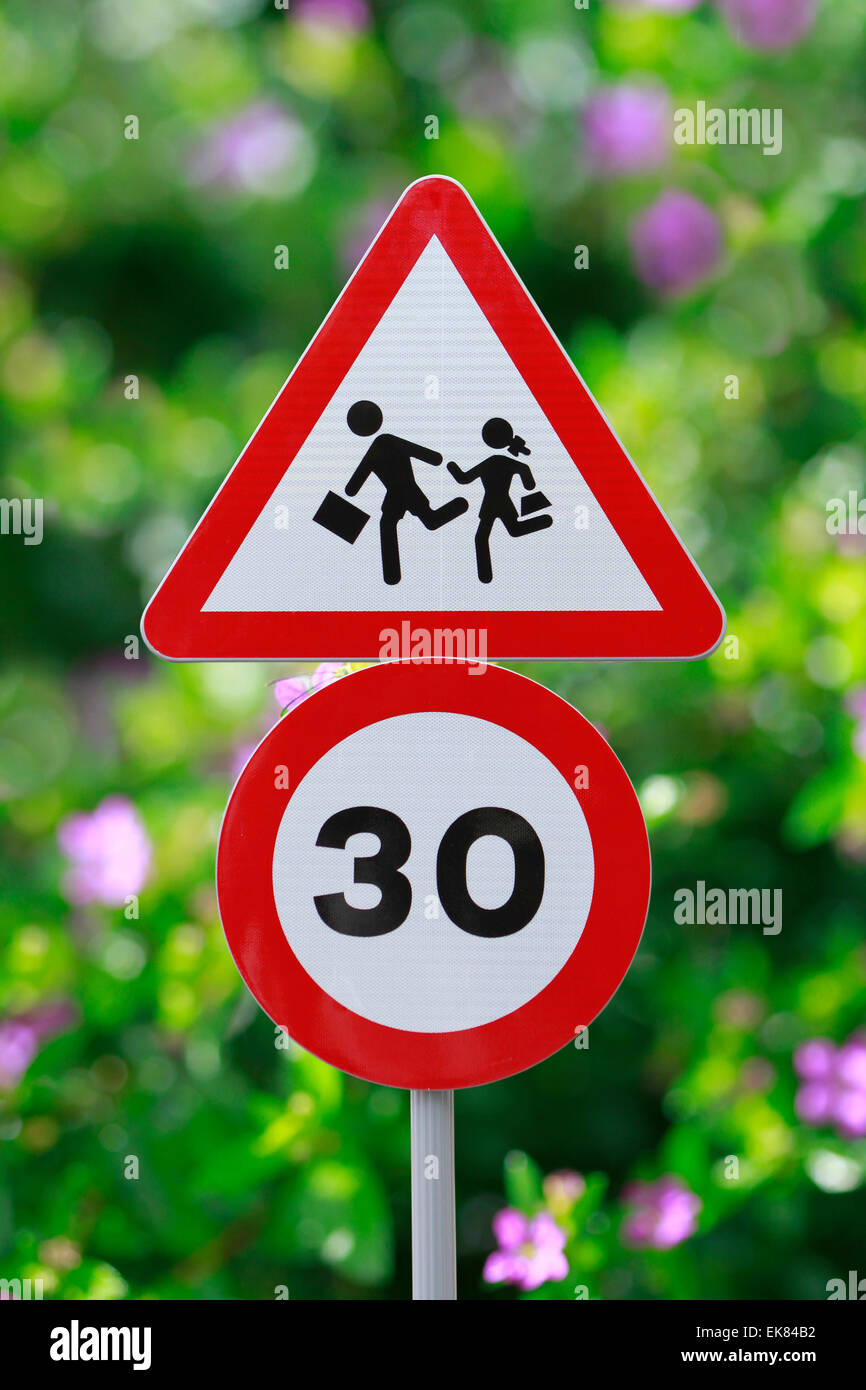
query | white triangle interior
(438,371)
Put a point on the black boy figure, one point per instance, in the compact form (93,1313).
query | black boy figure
(390,459)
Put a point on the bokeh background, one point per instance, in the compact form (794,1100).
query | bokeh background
(144,330)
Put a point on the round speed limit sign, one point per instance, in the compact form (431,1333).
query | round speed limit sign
(433,876)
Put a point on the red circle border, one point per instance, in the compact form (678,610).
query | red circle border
(467,1057)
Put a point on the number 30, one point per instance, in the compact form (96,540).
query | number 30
(395,845)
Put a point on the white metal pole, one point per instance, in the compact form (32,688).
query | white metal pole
(434,1271)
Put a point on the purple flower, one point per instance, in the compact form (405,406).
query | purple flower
(663,1213)
(18,1046)
(851,1062)
(768,24)
(530,1250)
(326,672)
(834,1089)
(627,128)
(813,1060)
(252,151)
(676,242)
(289,691)
(109,853)
(351,15)
(293,689)
(855,701)
(20,1038)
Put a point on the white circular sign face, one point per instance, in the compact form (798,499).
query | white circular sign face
(427,770)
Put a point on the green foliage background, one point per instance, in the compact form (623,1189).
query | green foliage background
(261,1166)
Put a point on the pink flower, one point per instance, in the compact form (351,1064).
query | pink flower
(530,1250)
(768,24)
(326,672)
(851,1063)
(21,1036)
(663,1213)
(676,242)
(813,1060)
(834,1089)
(289,691)
(627,128)
(246,152)
(349,15)
(109,853)
(292,689)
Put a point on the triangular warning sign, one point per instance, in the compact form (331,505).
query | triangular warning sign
(433,479)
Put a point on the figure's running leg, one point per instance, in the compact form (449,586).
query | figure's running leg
(482,549)
(434,517)
(523,526)
(390,547)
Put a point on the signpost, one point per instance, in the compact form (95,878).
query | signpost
(433,873)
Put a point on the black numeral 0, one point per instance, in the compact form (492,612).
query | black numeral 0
(379,869)
(528,888)
(395,845)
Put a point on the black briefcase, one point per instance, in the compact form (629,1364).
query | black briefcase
(341,517)
(533,502)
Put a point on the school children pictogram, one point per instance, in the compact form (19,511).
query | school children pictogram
(389,459)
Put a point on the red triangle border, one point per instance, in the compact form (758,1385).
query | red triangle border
(691,621)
